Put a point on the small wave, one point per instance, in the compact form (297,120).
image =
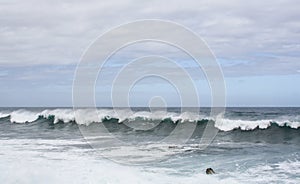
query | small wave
(4,114)
(228,124)
(87,116)
(23,116)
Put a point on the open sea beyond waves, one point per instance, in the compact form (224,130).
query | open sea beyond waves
(253,145)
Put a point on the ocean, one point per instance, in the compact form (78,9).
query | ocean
(48,145)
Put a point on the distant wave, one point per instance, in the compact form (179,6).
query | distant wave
(86,117)
(229,124)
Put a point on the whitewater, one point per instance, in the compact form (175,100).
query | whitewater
(67,115)
(46,145)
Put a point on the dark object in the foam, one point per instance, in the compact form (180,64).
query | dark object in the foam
(210,171)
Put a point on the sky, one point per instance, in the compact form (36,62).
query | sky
(256,43)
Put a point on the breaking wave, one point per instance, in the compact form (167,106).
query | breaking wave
(87,117)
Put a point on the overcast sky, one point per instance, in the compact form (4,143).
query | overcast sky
(257,44)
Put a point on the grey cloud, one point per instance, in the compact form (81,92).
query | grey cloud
(58,32)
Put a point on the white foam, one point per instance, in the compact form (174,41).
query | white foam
(87,116)
(281,172)
(65,115)
(23,116)
(292,124)
(290,166)
(4,114)
(30,161)
(228,124)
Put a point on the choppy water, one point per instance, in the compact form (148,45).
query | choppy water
(254,145)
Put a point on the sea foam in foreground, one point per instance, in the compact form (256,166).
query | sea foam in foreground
(254,145)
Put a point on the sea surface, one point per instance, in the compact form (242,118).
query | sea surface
(50,145)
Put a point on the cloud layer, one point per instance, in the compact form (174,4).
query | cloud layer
(41,42)
(264,33)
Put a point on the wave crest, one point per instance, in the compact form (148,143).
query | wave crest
(228,124)
(86,117)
